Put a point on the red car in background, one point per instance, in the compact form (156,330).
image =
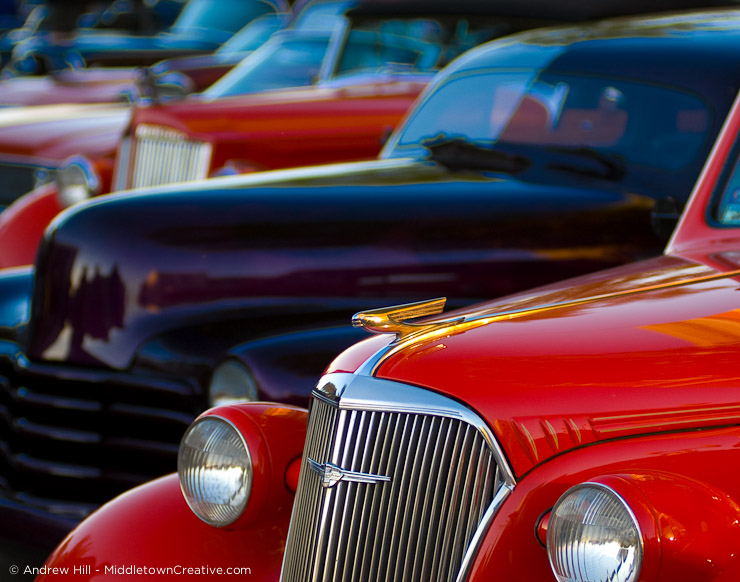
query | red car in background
(586,431)
(358,99)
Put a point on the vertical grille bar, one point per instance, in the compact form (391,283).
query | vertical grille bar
(309,495)
(443,475)
(123,160)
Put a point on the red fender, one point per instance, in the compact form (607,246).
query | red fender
(22,225)
(150,532)
(23,222)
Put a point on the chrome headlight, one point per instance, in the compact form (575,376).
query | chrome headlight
(593,536)
(215,470)
(231,383)
(76,180)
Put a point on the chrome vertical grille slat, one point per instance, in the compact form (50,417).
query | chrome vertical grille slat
(400,499)
(342,503)
(391,466)
(356,526)
(161,155)
(368,507)
(123,160)
(449,504)
(348,525)
(434,501)
(462,491)
(380,496)
(415,551)
(409,511)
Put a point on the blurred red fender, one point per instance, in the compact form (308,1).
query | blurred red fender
(177,540)
(22,225)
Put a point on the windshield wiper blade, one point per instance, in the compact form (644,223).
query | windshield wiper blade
(458,153)
(612,166)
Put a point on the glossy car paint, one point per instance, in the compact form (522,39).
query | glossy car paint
(302,127)
(243,143)
(187,389)
(338,239)
(284,365)
(625,377)
(270,130)
(694,517)
(275,435)
(43,137)
(680,484)
(107,84)
(40,205)
(80,86)
(642,347)
(438,227)
(166,523)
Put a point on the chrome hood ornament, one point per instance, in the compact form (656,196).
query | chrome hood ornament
(394,319)
(331,475)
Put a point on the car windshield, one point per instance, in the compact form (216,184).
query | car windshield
(296,58)
(372,50)
(643,124)
(286,60)
(252,36)
(226,15)
(321,15)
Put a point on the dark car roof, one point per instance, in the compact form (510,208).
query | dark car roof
(702,42)
(556,10)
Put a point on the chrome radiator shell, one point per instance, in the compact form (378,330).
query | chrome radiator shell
(410,480)
(158,155)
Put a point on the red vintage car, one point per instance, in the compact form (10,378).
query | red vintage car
(586,431)
(346,116)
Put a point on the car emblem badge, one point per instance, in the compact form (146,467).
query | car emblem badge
(331,475)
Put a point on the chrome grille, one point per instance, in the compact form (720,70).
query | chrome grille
(445,473)
(160,155)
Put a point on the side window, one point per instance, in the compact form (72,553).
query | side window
(371,50)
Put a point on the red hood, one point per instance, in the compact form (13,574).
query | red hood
(291,127)
(548,380)
(239,114)
(46,135)
(79,86)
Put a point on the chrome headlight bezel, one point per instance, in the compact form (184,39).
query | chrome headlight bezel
(585,524)
(215,470)
(76,180)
